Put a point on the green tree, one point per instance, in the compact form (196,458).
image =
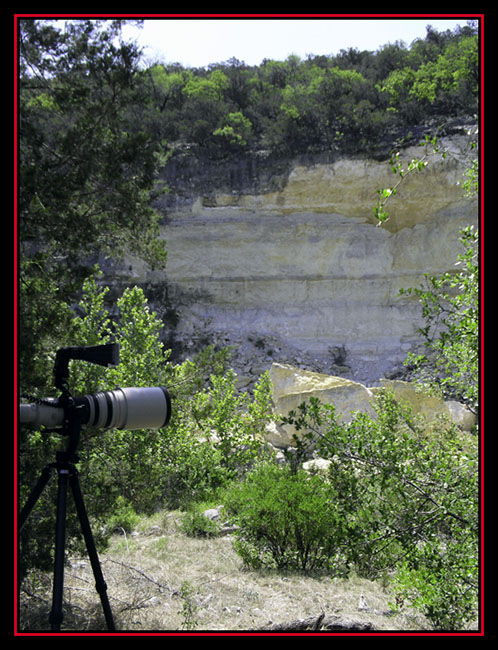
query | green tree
(234,422)
(452,80)
(390,57)
(150,468)
(204,107)
(86,167)
(235,132)
(346,102)
(437,79)
(212,87)
(167,86)
(239,76)
(87,171)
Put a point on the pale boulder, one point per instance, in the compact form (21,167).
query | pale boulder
(461,416)
(430,406)
(319,466)
(293,386)
(278,436)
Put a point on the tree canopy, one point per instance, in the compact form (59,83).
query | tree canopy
(344,101)
(87,170)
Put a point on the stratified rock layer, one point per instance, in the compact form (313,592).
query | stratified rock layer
(308,264)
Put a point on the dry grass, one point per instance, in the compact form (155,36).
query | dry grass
(161,580)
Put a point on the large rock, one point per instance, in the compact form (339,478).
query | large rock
(430,406)
(292,386)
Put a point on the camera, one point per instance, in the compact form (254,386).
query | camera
(122,408)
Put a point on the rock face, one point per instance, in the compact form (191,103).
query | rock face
(303,261)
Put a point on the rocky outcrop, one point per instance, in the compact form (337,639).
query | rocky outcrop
(430,406)
(293,252)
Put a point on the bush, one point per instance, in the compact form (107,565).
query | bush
(286,520)
(124,517)
(442,584)
(196,524)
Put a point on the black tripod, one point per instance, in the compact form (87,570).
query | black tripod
(68,474)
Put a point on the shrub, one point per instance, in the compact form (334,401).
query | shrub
(286,520)
(196,524)
(124,517)
(442,584)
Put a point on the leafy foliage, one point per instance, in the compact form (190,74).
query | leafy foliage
(450,306)
(441,84)
(401,170)
(450,302)
(411,501)
(398,499)
(196,524)
(214,434)
(344,102)
(87,170)
(287,520)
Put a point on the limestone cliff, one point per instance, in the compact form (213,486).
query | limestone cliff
(298,259)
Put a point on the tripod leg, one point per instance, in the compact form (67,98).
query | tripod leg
(56,614)
(34,496)
(100,584)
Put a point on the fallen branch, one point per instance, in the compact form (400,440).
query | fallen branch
(160,586)
(321,622)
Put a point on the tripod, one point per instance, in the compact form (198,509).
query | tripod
(68,475)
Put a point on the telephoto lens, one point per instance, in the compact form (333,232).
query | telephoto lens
(122,408)
(129,408)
